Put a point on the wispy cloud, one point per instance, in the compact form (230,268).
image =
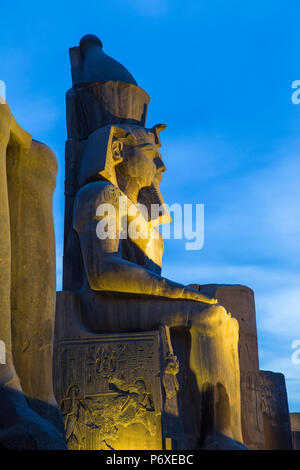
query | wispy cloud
(253,275)
(252,208)
(280,309)
(150,8)
(35,112)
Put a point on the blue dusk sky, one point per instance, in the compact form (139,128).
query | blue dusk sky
(219,74)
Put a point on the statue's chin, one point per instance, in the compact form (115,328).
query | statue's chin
(149,196)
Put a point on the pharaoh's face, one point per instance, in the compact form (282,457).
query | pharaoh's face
(140,386)
(143,163)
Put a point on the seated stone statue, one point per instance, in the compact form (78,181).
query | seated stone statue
(112,269)
(123,289)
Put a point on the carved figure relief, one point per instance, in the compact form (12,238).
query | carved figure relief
(116,384)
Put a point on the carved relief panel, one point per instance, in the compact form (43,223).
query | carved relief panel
(109,391)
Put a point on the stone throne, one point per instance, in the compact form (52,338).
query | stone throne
(140,362)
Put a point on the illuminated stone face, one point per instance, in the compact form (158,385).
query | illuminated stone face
(142,164)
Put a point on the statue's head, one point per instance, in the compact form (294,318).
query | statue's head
(139,157)
(124,155)
(140,386)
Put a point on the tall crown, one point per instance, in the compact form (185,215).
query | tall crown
(104,91)
(89,63)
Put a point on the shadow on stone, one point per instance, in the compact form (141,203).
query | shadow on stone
(22,428)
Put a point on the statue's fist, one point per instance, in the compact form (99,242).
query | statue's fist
(193,294)
(5,123)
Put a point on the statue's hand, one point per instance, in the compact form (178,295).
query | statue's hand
(5,124)
(192,294)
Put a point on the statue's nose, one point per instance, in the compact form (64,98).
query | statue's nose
(160,165)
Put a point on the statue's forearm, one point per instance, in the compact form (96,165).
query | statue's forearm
(114,274)
(118,275)
(106,270)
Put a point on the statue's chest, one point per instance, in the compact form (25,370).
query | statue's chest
(141,244)
(146,252)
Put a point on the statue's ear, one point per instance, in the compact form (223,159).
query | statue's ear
(116,150)
(101,152)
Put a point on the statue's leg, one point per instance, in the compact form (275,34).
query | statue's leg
(214,360)
(11,395)
(31,176)
(213,357)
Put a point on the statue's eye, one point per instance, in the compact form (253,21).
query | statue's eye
(150,150)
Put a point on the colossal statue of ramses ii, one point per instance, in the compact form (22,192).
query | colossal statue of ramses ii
(114,164)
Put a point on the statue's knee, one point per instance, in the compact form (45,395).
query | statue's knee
(233,327)
(214,316)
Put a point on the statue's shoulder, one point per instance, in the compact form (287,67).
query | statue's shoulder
(39,162)
(44,156)
(89,198)
(98,192)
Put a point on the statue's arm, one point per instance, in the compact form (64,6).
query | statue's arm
(105,268)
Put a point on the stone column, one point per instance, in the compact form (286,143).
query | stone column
(275,411)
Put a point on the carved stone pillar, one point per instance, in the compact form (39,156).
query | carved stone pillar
(275,410)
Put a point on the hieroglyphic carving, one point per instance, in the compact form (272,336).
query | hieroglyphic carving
(170,368)
(275,409)
(107,383)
